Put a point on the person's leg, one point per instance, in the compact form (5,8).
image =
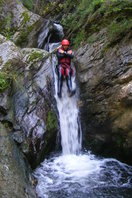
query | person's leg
(68,80)
(60,81)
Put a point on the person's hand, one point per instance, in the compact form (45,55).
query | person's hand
(61,51)
(69,52)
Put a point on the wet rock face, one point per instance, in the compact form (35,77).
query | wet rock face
(27,105)
(9,53)
(15,180)
(33,101)
(106,91)
(19,24)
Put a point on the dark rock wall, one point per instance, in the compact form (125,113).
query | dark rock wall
(15,173)
(105,78)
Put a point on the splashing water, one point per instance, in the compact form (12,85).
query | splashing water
(82,176)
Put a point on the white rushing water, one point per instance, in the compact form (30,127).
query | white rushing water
(83,176)
(68,117)
(73,174)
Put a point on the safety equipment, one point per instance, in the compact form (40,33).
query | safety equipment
(65,60)
(65,42)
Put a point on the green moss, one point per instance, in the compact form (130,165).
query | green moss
(1,61)
(4,81)
(23,37)
(48,8)
(25,18)
(9,72)
(24,33)
(1,1)
(6,29)
(29,4)
(2,25)
(35,55)
(52,121)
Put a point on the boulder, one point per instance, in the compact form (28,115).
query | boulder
(10,54)
(27,104)
(33,101)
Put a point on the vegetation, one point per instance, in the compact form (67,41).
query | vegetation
(1,1)
(29,4)
(25,18)
(7,31)
(92,16)
(82,19)
(23,37)
(4,81)
(51,121)
(116,30)
(35,55)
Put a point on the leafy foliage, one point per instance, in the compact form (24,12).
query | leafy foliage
(7,32)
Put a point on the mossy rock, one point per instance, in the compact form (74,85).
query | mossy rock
(35,56)
(27,36)
(1,61)
(29,4)
(4,81)
(23,35)
(52,123)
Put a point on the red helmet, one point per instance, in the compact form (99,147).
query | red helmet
(65,42)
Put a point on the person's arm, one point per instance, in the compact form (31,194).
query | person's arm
(60,54)
(70,54)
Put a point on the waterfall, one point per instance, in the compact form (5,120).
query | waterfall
(67,106)
(83,175)
(52,32)
(68,117)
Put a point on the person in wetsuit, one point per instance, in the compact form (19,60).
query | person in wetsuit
(64,55)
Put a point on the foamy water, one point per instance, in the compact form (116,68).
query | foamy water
(83,176)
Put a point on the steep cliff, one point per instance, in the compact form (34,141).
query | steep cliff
(104,70)
(105,84)
(28,116)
